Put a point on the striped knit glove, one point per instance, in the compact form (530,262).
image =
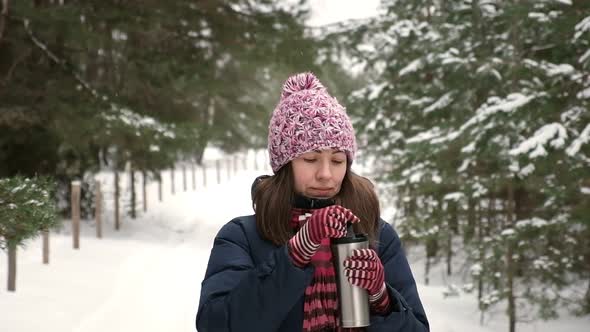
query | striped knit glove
(328,222)
(364,269)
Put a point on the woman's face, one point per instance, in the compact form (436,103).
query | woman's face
(319,174)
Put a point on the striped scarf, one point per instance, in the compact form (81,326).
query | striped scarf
(320,308)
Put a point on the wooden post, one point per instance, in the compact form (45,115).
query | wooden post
(98,209)
(11,267)
(133,194)
(117,194)
(235,163)
(76,213)
(228,168)
(193,176)
(172,188)
(245,161)
(160,186)
(204,175)
(218,167)
(144,190)
(183,177)
(46,247)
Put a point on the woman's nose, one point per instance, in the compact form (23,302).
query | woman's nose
(325,170)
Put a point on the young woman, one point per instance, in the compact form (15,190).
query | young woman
(273,271)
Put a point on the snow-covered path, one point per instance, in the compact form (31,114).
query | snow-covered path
(147,276)
(151,279)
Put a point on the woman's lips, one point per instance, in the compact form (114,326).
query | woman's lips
(322,191)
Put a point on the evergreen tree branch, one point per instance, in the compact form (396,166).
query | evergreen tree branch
(3,15)
(64,64)
(4,82)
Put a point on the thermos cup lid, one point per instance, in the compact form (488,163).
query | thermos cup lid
(356,238)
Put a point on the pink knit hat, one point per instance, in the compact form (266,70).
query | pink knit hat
(307,118)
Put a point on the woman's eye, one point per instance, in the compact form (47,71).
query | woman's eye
(338,162)
(307,160)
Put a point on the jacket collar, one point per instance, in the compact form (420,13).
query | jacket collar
(304,202)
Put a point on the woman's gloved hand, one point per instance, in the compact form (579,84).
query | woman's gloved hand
(328,222)
(364,269)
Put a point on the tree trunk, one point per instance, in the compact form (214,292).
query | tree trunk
(194,180)
(76,214)
(11,266)
(117,194)
(46,247)
(3,16)
(449,253)
(510,263)
(172,187)
(454,221)
(98,209)
(453,229)
(144,190)
(427,270)
(160,186)
(218,168)
(480,229)
(133,195)
(184,177)
(471,222)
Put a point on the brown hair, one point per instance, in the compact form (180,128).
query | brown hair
(273,197)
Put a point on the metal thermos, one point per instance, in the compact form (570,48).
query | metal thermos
(354,301)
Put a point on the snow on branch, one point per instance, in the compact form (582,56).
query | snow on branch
(411,67)
(441,103)
(582,27)
(137,121)
(424,136)
(579,141)
(554,133)
(492,106)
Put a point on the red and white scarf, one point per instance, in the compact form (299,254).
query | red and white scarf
(320,308)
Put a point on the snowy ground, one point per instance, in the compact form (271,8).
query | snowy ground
(146,277)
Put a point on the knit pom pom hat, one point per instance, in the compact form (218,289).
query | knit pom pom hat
(307,118)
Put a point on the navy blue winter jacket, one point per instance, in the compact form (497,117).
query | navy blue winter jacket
(252,285)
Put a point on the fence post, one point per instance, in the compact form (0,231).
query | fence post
(193,176)
(98,209)
(235,157)
(46,246)
(117,194)
(218,167)
(172,188)
(228,168)
(183,177)
(144,193)
(133,194)
(76,213)
(160,186)
(11,249)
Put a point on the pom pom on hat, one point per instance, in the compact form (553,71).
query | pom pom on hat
(300,82)
(307,118)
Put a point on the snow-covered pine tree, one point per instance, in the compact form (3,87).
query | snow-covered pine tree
(27,207)
(486,102)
